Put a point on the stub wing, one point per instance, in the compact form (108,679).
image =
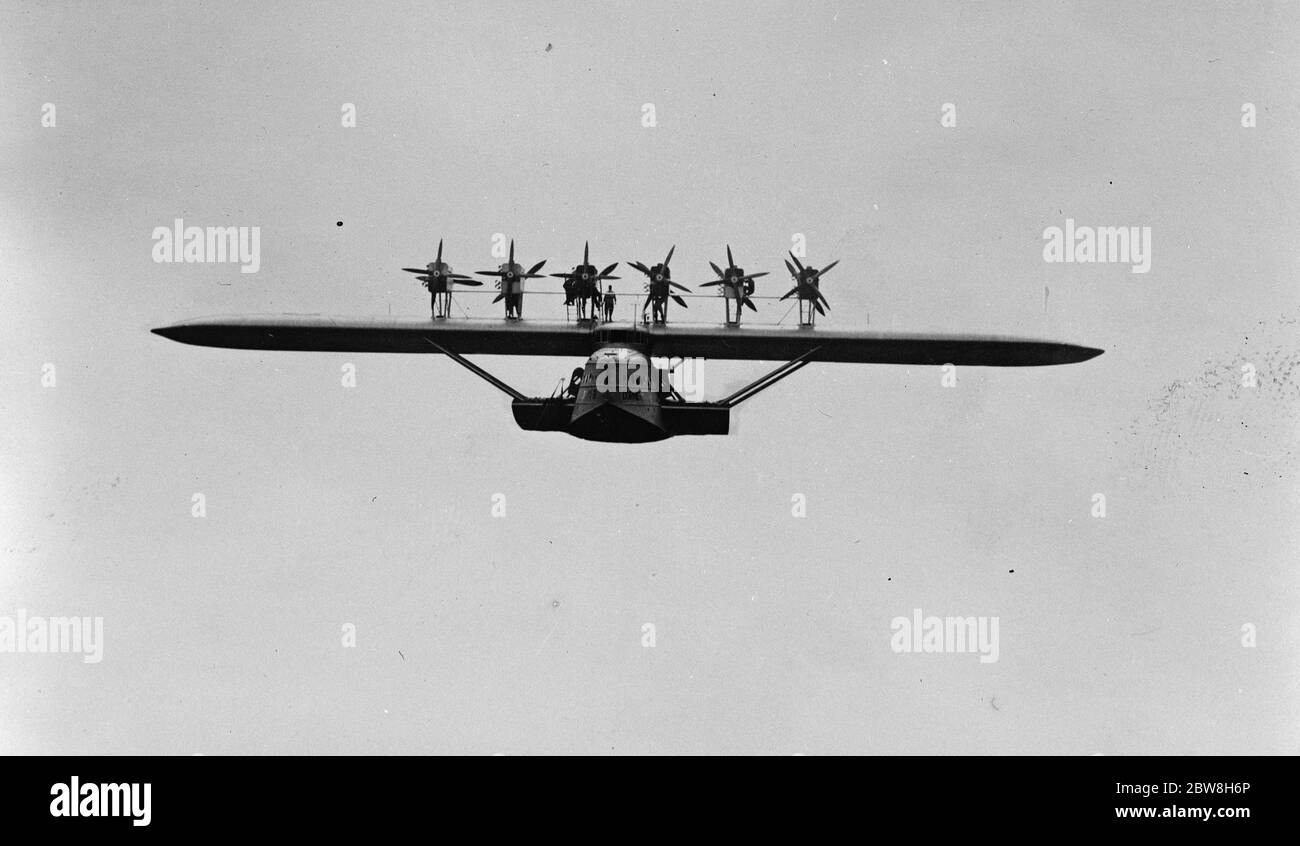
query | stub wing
(493,337)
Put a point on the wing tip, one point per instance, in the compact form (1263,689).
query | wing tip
(1081,353)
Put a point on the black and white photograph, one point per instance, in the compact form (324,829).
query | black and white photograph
(649,379)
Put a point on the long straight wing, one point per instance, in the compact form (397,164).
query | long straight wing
(494,337)
(319,333)
(860,347)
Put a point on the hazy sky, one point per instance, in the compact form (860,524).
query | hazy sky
(370,506)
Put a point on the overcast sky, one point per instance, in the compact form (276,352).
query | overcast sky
(371,506)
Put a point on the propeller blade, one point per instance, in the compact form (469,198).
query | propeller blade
(821,297)
(489,273)
(717,270)
(791,269)
(710,284)
(754,275)
(679,287)
(498,298)
(681,302)
(512,250)
(534,276)
(536,267)
(603,276)
(585,247)
(819,308)
(749,304)
(605,273)
(439,258)
(465,280)
(416,269)
(460,276)
(828,267)
(668,260)
(791,292)
(641,267)
(562,275)
(796,262)
(730,261)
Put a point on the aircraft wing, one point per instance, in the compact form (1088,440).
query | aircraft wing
(861,347)
(319,333)
(496,337)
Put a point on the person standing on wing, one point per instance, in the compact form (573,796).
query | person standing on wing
(610,299)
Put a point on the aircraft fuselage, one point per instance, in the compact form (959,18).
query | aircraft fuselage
(622,398)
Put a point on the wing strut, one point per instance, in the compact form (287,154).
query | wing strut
(767,381)
(476,370)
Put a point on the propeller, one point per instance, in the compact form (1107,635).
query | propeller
(437,269)
(575,276)
(807,283)
(735,276)
(510,272)
(661,273)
